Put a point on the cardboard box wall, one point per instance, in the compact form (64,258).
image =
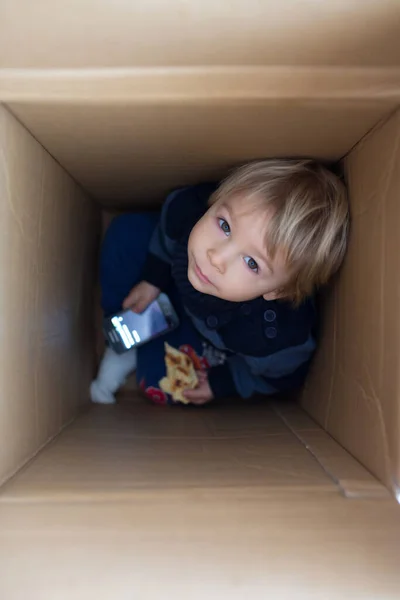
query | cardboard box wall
(242,495)
(268,477)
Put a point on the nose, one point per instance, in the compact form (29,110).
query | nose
(218,259)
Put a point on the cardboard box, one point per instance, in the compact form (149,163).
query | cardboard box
(106,107)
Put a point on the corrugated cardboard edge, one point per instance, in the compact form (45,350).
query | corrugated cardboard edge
(351,478)
(200,84)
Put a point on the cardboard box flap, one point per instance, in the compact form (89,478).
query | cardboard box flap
(357,366)
(43,34)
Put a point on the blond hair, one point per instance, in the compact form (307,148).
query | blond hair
(309,216)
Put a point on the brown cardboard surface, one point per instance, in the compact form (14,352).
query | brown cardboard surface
(115,150)
(196,544)
(42,34)
(239,501)
(353,480)
(112,453)
(48,242)
(357,366)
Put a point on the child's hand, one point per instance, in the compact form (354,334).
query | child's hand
(141,296)
(202,393)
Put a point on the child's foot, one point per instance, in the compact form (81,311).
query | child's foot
(113,371)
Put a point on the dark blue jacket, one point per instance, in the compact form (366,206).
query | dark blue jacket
(269,344)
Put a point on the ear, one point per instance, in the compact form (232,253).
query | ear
(274,295)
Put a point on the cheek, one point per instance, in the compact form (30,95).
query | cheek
(193,234)
(200,234)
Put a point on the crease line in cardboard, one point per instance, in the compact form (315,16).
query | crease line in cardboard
(101,497)
(179,438)
(86,195)
(217,83)
(26,463)
(381,493)
(375,127)
(9,195)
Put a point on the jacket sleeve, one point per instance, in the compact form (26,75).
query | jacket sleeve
(157,268)
(245,376)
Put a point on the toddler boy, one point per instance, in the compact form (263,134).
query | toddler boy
(240,263)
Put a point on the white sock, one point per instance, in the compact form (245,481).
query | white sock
(113,371)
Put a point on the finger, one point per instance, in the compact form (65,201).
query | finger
(201,375)
(140,305)
(197,394)
(131,299)
(135,302)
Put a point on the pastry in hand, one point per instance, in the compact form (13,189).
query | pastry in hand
(181,374)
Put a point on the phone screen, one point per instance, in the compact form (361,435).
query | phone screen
(134,328)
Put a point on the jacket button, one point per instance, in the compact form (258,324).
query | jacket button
(271,332)
(212,322)
(270,315)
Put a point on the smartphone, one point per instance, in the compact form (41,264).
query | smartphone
(127,330)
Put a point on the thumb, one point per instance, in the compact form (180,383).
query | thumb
(140,304)
(131,300)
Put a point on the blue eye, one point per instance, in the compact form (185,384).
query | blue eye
(224,225)
(251,263)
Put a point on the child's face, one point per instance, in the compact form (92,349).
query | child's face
(227,254)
